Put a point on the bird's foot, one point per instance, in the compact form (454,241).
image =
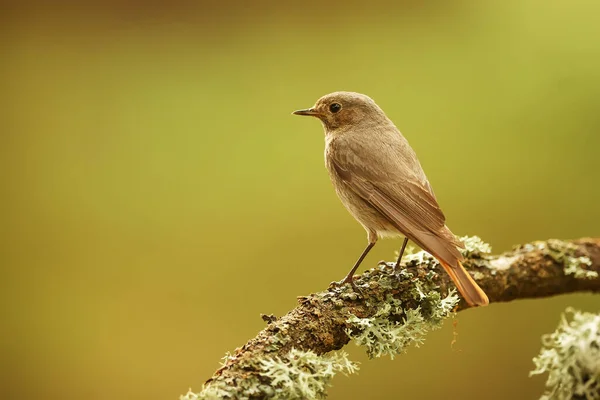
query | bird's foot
(386,266)
(339,284)
(396,268)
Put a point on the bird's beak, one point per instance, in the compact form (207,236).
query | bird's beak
(309,111)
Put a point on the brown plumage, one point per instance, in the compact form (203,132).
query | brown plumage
(380,181)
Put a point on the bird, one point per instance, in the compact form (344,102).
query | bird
(379,179)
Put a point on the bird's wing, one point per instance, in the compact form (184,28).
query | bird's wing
(403,196)
(404,200)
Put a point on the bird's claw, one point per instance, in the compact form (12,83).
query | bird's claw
(386,266)
(339,284)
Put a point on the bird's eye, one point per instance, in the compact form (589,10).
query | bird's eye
(335,107)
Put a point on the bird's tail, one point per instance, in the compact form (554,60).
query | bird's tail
(469,289)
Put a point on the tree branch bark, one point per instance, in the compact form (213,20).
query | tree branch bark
(320,322)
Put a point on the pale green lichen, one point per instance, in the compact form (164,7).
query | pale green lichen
(189,395)
(571,357)
(213,391)
(226,358)
(573,266)
(382,335)
(474,246)
(304,374)
(565,253)
(297,375)
(229,388)
(277,340)
(440,309)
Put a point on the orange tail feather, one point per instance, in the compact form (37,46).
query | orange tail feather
(469,289)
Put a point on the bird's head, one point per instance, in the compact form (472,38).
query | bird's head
(340,110)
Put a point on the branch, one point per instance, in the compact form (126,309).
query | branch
(288,358)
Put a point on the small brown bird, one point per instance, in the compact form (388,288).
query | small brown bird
(379,179)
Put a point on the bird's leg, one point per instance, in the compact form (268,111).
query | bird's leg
(348,278)
(400,255)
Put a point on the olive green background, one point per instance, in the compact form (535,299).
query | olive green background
(157,195)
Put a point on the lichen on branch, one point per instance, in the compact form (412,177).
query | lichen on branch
(294,356)
(391,330)
(571,357)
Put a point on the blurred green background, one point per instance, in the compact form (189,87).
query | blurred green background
(157,195)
